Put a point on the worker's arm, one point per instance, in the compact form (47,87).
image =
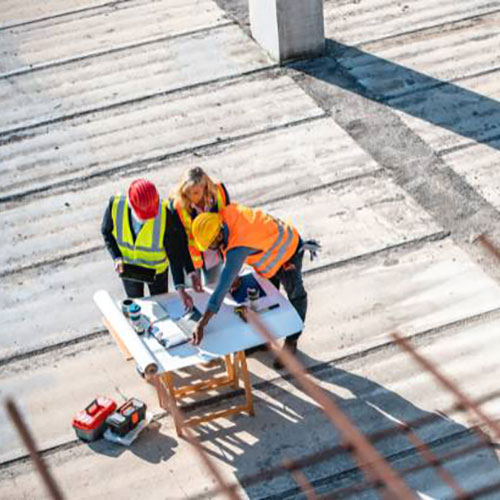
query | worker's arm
(109,239)
(235,259)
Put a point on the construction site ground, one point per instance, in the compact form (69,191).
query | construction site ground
(386,149)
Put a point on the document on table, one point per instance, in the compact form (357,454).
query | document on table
(173,332)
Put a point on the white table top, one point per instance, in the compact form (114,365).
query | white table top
(226,333)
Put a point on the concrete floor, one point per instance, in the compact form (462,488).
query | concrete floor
(386,149)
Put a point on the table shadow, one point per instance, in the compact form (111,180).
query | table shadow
(288,425)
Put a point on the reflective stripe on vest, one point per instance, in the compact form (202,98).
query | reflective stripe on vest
(187,222)
(147,250)
(267,262)
(255,229)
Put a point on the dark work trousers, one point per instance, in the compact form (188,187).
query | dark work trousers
(135,289)
(293,284)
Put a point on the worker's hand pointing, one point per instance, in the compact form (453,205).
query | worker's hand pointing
(197,334)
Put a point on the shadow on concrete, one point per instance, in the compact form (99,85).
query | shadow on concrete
(289,425)
(444,104)
(151,445)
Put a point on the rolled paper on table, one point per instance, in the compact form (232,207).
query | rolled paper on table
(143,357)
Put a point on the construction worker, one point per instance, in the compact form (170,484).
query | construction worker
(244,235)
(197,193)
(140,229)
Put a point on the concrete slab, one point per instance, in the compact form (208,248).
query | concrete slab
(14,12)
(149,130)
(454,115)
(416,61)
(100,30)
(417,75)
(363,216)
(385,389)
(411,292)
(106,80)
(313,154)
(479,166)
(354,22)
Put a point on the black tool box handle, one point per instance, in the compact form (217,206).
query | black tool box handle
(92,408)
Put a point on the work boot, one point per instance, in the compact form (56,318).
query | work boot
(291,346)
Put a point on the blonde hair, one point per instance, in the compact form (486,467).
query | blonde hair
(193,177)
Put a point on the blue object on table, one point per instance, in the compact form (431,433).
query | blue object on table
(247,281)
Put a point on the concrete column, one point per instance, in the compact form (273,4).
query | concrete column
(288,29)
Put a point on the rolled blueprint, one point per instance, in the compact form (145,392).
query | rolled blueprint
(143,357)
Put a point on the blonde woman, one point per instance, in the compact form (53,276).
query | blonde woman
(197,193)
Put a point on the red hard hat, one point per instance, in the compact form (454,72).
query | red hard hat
(143,198)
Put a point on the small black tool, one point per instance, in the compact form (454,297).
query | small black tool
(138,273)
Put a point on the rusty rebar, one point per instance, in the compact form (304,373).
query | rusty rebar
(348,491)
(331,452)
(370,461)
(489,245)
(28,440)
(431,458)
(300,479)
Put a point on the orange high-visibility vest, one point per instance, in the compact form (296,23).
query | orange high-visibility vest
(187,222)
(276,240)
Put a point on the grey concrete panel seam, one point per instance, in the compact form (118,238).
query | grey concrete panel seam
(266,384)
(324,482)
(427,28)
(142,165)
(382,133)
(191,407)
(291,196)
(405,246)
(21,356)
(461,147)
(433,237)
(89,55)
(137,100)
(49,262)
(440,84)
(62,14)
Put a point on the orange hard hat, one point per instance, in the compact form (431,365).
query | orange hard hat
(143,198)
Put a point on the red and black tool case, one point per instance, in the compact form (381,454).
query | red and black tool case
(90,423)
(127,417)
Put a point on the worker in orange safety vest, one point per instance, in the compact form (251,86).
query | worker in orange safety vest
(273,248)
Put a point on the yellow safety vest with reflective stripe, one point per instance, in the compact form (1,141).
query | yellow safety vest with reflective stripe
(253,228)
(187,222)
(147,250)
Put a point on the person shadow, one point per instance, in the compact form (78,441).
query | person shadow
(453,107)
(289,426)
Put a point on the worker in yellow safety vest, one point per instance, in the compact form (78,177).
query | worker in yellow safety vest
(249,236)
(197,193)
(140,229)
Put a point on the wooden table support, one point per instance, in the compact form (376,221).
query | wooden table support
(236,368)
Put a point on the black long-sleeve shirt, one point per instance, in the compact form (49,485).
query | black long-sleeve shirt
(175,242)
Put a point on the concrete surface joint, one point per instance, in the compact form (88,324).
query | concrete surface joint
(288,29)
